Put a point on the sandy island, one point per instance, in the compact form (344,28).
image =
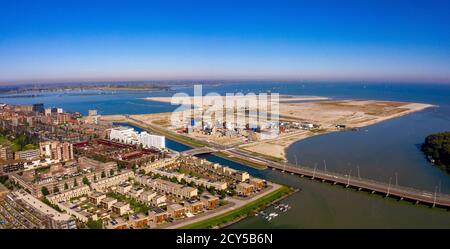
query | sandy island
(313,109)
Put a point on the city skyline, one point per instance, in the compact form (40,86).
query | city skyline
(295,40)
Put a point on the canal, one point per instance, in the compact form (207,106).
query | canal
(322,205)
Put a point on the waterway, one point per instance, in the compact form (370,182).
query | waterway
(385,151)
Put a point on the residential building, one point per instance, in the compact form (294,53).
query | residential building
(24,108)
(117,223)
(130,136)
(76,211)
(149,140)
(96,198)
(158,200)
(158,215)
(169,175)
(174,188)
(135,192)
(86,163)
(194,206)
(147,196)
(210,201)
(53,219)
(237,175)
(206,183)
(38,108)
(27,154)
(176,210)
(69,194)
(159,164)
(3,191)
(120,208)
(6,153)
(257,183)
(244,188)
(138,220)
(124,188)
(107,203)
(105,183)
(124,135)
(56,150)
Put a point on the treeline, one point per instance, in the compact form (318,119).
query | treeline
(437,149)
(19,141)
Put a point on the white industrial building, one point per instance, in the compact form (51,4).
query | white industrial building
(148,140)
(130,136)
(124,135)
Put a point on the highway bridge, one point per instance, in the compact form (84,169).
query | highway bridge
(387,189)
(199,151)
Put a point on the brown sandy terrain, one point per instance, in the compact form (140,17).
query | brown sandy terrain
(113,118)
(352,113)
(326,114)
(210,99)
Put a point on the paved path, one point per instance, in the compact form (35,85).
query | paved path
(234,204)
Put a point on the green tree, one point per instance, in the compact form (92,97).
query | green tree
(75,182)
(103,174)
(55,189)
(111,172)
(201,190)
(223,194)
(45,191)
(437,149)
(86,181)
(3,179)
(121,165)
(29,147)
(66,186)
(212,190)
(91,224)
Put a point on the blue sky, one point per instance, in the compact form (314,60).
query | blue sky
(53,41)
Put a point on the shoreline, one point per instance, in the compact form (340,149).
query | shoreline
(364,126)
(276,148)
(285,146)
(262,207)
(241,210)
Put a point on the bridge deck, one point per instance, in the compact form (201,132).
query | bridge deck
(198,151)
(437,199)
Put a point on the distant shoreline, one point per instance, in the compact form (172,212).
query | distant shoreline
(83,87)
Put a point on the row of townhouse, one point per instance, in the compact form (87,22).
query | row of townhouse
(103,184)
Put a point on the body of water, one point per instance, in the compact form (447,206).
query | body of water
(385,151)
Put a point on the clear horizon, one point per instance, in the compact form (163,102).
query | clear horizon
(58,42)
